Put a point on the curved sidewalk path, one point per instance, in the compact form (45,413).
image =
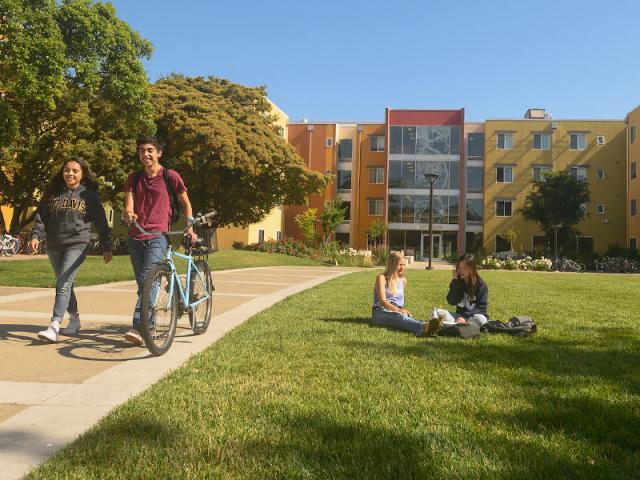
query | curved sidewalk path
(52,393)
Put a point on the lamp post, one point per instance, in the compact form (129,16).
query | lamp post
(555,242)
(430,178)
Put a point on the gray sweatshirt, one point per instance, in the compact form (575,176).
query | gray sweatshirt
(66,219)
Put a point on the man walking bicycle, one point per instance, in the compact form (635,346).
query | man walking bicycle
(148,195)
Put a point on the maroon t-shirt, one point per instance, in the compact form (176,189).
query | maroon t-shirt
(151,202)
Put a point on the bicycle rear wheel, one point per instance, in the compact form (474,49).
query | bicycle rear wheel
(200,315)
(158,310)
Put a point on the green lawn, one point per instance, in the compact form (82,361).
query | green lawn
(38,272)
(307,389)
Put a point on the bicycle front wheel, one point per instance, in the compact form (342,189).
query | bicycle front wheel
(200,314)
(158,310)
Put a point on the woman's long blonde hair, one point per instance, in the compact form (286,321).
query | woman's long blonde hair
(391,270)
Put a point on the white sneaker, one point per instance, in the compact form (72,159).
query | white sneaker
(133,337)
(51,333)
(74,325)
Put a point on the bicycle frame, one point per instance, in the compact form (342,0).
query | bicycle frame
(175,280)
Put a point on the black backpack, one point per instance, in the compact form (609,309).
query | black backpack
(174,204)
(522,326)
(460,330)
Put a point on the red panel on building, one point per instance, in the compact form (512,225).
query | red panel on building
(426,117)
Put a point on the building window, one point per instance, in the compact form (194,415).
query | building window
(502,244)
(599,139)
(376,175)
(600,174)
(409,140)
(375,206)
(474,210)
(632,134)
(345,150)
(633,207)
(475,145)
(632,170)
(578,172)
(396,140)
(279,236)
(475,179)
(583,207)
(329,142)
(633,243)
(376,143)
(343,238)
(347,211)
(503,208)
(542,141)
(600,207)
(577,141)
(260,236)
(539,171)
(344,179)
(504,174)
(505,141)
(110,216)
(281,132)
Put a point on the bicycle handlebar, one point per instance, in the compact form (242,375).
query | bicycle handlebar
(197,221)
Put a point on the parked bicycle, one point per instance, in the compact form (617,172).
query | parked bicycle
(618,265)
(9,245)
(167,295)
(561,264)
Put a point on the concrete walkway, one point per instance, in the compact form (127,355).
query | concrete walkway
(51,393)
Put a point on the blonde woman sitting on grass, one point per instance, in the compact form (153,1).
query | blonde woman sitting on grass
(388,298)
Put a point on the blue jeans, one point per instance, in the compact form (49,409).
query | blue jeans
(144,254)
(65,264)
(381,317)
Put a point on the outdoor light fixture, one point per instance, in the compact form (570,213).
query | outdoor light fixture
(431,179)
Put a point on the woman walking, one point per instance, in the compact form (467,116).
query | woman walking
(69,205)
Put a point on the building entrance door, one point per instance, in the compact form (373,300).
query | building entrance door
(436,252)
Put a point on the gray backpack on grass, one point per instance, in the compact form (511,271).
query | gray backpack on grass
(521,326)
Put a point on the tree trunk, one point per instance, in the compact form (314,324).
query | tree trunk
(21,218)
(3,225)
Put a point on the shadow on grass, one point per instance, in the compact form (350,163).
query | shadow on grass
(116,448)
(352,320)
(550,373)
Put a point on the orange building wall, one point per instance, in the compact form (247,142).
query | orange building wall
(363,190)
(311,146)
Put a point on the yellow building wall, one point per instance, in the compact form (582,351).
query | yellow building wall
(633,184)
(607,228)
(272,223)
(7,214)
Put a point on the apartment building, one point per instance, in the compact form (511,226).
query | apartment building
(633,183)
(517,151)
(484,172)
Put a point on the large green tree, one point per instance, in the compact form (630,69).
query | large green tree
(557,201)
(72,82)
(222,139)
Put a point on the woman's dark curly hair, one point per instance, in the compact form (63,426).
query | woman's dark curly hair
(57,183)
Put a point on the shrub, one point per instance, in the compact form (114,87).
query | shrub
(288,246)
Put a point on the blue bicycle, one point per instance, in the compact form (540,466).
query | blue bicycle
(167,295)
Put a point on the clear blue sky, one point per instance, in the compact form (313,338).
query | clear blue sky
(347,60)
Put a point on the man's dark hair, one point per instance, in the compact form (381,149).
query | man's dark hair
(149,141)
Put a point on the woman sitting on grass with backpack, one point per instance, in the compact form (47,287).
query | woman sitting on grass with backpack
(388,298)
(468,292)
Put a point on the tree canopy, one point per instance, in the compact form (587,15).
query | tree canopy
(72,82)
(557,200)
(221,137)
